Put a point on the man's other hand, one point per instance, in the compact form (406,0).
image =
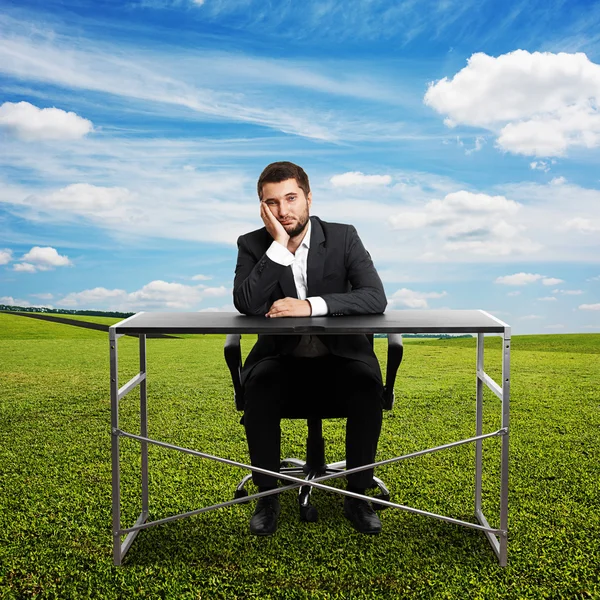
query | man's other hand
(290,307)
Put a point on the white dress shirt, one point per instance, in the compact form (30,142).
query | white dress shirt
(309,346)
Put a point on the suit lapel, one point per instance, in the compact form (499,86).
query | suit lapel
(316,258)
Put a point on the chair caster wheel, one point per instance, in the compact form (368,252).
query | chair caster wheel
(309,514)
(385,497)
(241,494)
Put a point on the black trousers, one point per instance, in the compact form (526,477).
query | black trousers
(329,386)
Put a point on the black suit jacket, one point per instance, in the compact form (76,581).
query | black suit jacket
(339,269)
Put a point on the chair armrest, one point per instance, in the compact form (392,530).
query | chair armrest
(233,358)
(394,358)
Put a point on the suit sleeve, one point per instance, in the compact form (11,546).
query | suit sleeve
(366,294)
(255,279)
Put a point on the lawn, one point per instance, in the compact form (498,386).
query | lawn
(55,498)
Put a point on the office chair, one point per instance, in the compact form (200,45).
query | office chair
(314,465)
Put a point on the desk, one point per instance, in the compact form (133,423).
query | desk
(403,321)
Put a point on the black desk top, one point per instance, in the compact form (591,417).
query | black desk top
(393,321)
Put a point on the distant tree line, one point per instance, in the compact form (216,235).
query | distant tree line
(435,336)
(64,311)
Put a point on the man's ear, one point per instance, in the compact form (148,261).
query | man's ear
(309,199)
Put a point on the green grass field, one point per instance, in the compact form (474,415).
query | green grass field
(55,497)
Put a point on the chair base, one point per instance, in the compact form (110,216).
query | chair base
(295,466)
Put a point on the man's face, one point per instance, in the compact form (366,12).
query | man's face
(288,204)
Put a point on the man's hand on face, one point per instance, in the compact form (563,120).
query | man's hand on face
(290,307)
(274,227)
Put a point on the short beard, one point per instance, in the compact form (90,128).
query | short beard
(302,222)
(298,229)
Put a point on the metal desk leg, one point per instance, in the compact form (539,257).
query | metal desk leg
(498,541)
(144,426)
(479,424)
(114,446)
(504,464)
(120,549)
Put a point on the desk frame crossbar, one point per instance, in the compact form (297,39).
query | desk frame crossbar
(497,537)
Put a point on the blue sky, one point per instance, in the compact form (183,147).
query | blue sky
(462,139)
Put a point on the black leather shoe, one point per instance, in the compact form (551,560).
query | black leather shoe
(264,519)
(361,515)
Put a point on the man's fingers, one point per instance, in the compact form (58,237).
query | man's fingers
(278,309)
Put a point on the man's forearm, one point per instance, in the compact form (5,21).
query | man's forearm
(364,301)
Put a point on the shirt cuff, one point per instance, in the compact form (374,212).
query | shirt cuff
(318,305)
(279,254)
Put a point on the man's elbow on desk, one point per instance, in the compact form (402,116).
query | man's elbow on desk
(248,310)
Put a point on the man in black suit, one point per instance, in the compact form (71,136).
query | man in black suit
(298,266)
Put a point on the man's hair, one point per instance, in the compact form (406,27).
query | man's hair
(280,171)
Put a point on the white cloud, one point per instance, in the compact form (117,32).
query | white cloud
(495,247)
(479,141)
(547,299)
(215,291)
(596,278)
(164,294)
(5,256)
(470,222)
(516,293)
(92,298)
(24,267)
(194,211)
(582,225)
(568,292)
(100,203)
(546,210)
(539,165)
(518,278)
(531,317)
(412,298)
(156,295)
(558,181)
(28,122)
(43,296)
(46,257)
(557,326)
(589,306)
(41,259)
(410,220)
(356,178)
(201,277)
(525,278)
(552,104)
(10,301)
